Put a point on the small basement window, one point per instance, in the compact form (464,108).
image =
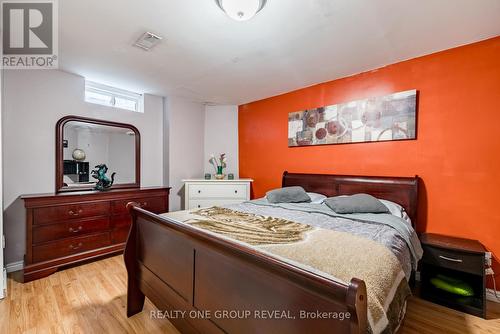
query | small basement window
(112,97)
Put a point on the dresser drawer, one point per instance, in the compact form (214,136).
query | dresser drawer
(57,249)
(222,190)
(121,221)
(69,229)
(154,204)
(52,214)
(119,235)
(466,262)
(205,203)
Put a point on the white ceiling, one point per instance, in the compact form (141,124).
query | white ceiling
(290,44)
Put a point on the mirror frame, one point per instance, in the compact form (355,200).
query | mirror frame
(60,160)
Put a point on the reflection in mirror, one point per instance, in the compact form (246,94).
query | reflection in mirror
(86,145)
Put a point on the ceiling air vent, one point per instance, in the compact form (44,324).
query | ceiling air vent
(147,41)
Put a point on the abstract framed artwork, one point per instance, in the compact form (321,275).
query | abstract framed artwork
(389,117)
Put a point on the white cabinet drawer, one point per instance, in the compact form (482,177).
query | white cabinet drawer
(205,203)
(208,193)
(236,191)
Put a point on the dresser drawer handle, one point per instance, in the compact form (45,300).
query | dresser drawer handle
(199,191)
(75,247)
(73,213)
(75,230)
(236,191)
(450,259)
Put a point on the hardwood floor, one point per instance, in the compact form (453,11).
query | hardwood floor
(92,298)
(423,317)
(86,299)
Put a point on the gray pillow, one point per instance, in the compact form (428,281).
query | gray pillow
(359,203)
(288,195)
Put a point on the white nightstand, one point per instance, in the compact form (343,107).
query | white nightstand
(200,193)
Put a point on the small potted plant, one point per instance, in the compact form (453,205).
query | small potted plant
(219,165)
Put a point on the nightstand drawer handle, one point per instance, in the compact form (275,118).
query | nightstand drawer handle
(450,259)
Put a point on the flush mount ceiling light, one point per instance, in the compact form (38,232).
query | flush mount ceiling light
(241,10)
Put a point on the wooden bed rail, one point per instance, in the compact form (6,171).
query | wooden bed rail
(181,268)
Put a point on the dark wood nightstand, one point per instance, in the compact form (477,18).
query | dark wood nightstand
(458,258)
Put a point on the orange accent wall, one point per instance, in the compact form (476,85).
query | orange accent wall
(457,151)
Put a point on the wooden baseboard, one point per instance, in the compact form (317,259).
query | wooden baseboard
(14,266)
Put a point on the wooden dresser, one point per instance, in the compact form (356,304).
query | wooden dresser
(204,193)
(68,228)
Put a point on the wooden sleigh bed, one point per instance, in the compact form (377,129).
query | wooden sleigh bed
(225,287)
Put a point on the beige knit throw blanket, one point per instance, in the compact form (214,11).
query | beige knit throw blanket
(338,254)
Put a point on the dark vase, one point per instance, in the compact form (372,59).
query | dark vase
(220,175)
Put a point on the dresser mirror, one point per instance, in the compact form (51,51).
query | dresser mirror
(85,144)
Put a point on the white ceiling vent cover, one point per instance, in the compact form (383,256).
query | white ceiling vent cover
(147,41)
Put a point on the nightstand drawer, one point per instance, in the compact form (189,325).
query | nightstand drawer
(453,259)
(207,193)
(206,203)
(222,190)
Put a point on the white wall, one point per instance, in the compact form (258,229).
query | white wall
(71,136)
(33,102)
(122,157)
(221,136)
(192,132)
(184,125)
(96,147)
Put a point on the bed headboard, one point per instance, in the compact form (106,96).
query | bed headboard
(401,190)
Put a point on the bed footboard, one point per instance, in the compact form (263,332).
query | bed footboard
(205,284)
